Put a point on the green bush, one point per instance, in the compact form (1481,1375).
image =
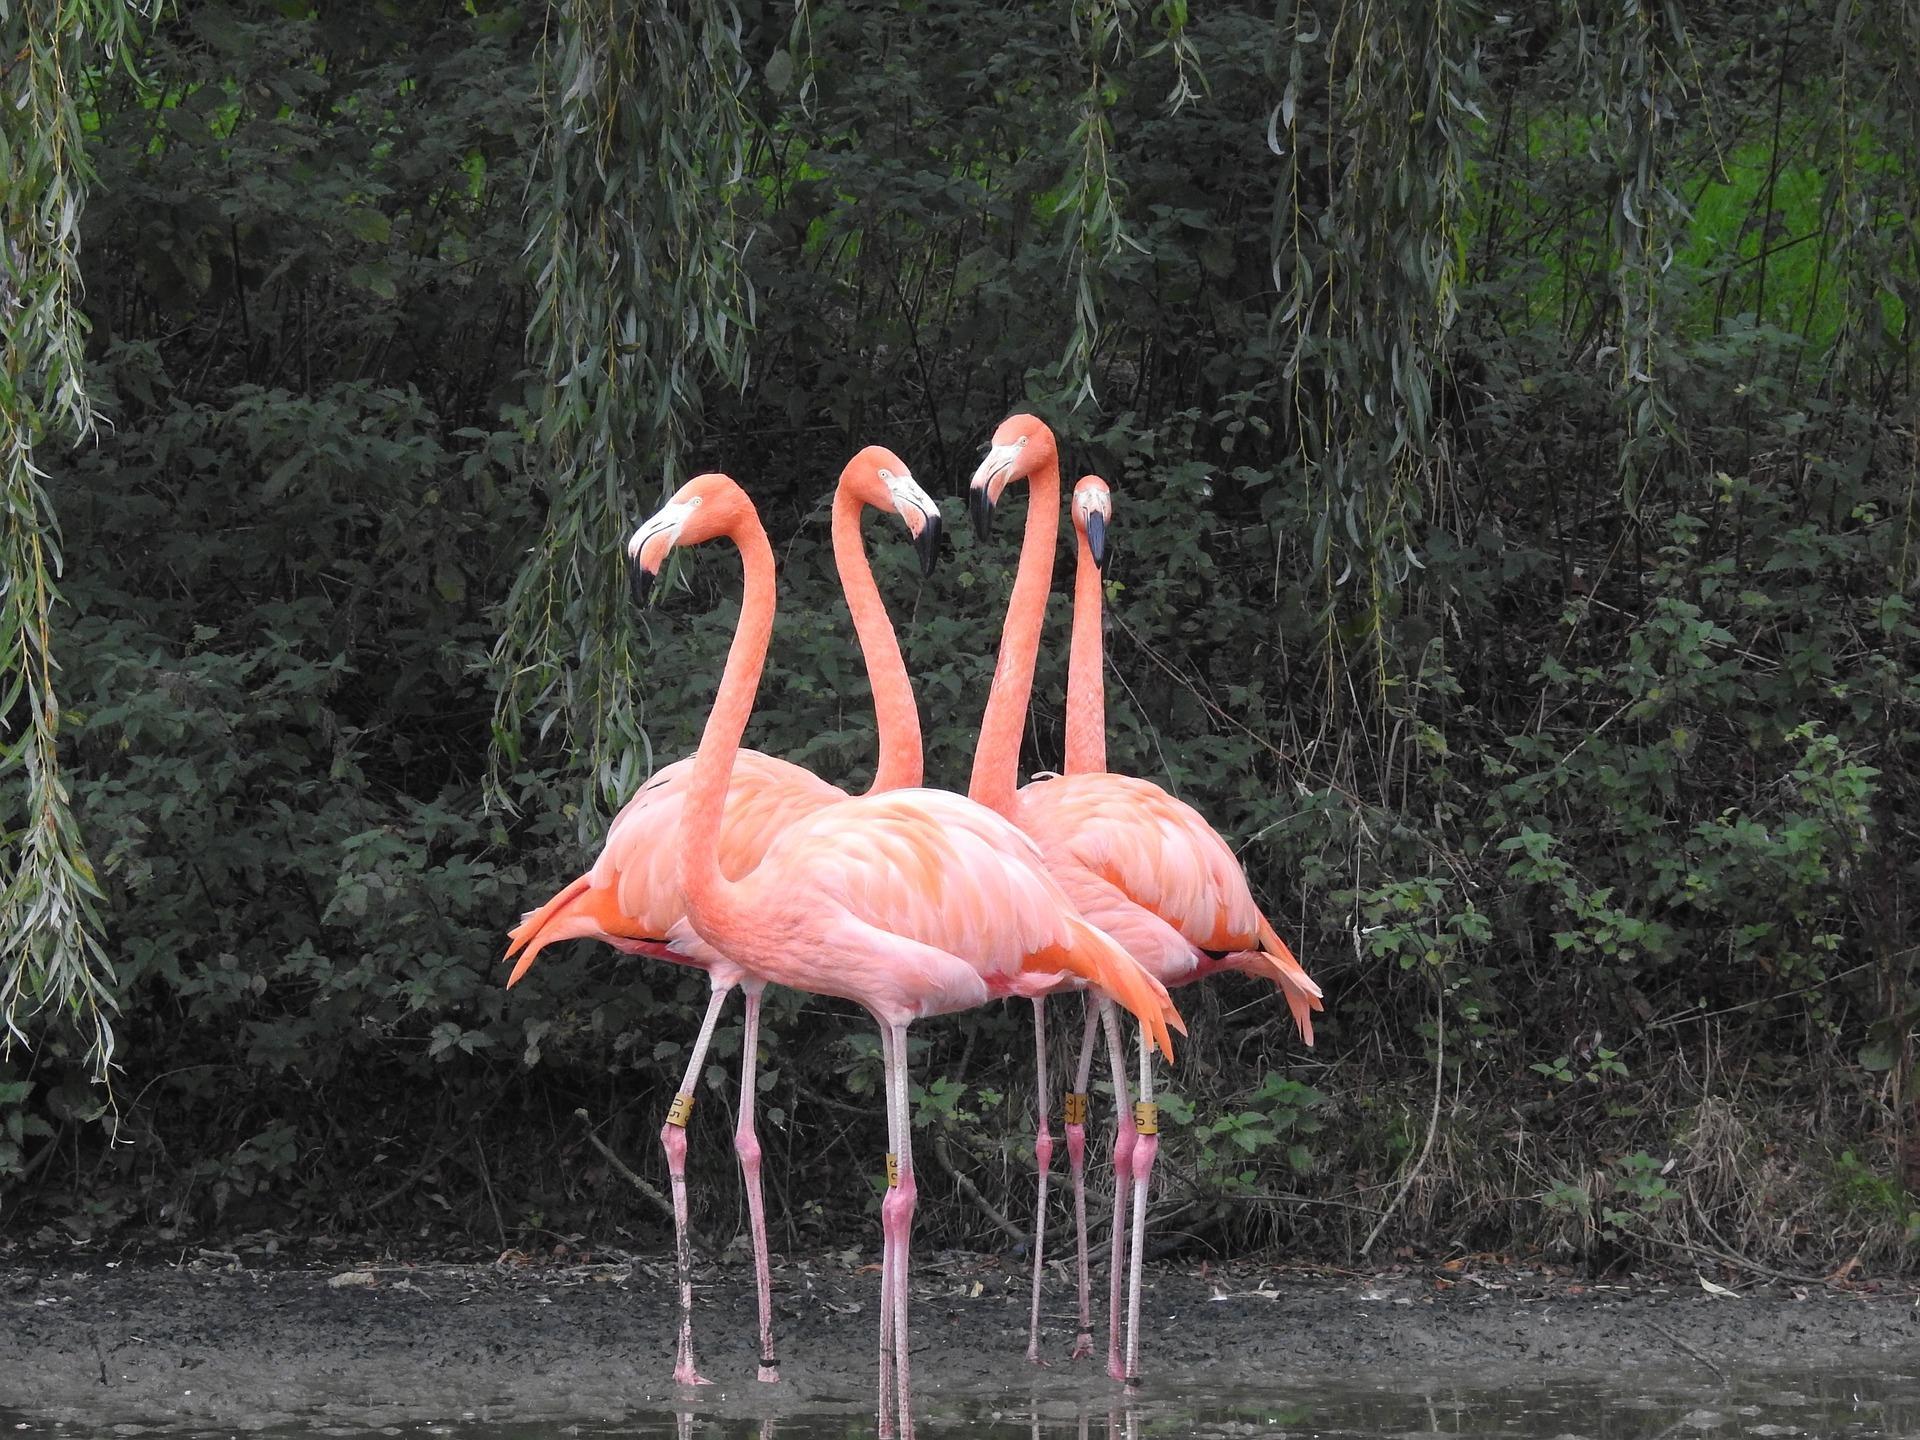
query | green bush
(1530,600)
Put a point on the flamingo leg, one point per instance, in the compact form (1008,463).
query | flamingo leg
(673,1139)
(746,1144)
(1076,1128)
(896,1214)
(1124,1139)
(884,1426)
(1043,1161)
(1145,1146)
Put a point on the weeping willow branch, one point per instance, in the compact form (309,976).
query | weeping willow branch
(639,297)
(50,952)
(1092,198)
(1373,126)
(1876,149)
(1634,61)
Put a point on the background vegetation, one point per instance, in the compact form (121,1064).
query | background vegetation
(1511,414)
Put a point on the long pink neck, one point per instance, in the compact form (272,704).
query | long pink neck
(894,713)
(1086,684)
(996,762)
(709,895)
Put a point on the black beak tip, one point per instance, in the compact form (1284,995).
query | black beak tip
(927,544)
(1097,540)
(640,579)
(980,508)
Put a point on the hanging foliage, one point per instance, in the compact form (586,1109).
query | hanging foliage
(1875,143)
(639,298)
(1616,777)
(50,951)
(1635,56)
(1092,197)
(1373,127)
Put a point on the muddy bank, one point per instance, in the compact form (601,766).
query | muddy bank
(219,1341)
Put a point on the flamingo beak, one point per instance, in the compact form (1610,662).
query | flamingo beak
(652,543)
(911,503)
(927,543)
(988,481)
(980,510)
(1097,538)
(640,581)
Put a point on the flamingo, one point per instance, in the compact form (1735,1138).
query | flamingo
(630,898)
(1138,862)
(909,903)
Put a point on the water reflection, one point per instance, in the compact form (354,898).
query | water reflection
(1846,1406)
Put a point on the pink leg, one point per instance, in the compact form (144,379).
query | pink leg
(673,1138)
(896,1216)
(1124,1140)
(884,1426)
(746,1145)
(1077,1163)
(1043,1161)
(1144,1149)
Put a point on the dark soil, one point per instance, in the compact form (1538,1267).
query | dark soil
(217,1340)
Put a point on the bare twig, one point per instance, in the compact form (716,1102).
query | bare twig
(1698,1354)
(967,1188)
(640,1183)
(1433,1120)
(434,1157)
(1753,1267)
(486,1184)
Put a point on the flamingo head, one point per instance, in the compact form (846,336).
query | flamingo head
(1092,510)
(880,478)
(1022,445)
(705,507)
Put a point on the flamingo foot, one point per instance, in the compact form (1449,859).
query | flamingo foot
(1082,1347)
(685,1374)
(769,1374)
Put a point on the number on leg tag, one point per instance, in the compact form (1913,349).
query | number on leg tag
(1076,1108)
(1146,1117)
(681,1110)
(893,1171)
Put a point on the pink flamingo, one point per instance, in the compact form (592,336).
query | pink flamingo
(1141,864)
(910,903)
(631,897)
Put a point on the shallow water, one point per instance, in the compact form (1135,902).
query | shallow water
(1826,1404)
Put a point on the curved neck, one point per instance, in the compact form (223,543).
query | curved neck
(708,894)
(894,713)
(1086,684)
(996,761)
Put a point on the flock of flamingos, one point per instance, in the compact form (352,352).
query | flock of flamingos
(915,902)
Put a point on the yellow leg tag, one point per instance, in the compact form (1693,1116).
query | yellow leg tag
(1146,1117)
(681,1110)
(893,1171)
(1076,1108)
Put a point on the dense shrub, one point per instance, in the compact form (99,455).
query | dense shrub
(1559,691)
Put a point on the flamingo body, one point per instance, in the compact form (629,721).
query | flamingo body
(919,903)
(1146,868)
(909,903)
(631,897)
(1140,863)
